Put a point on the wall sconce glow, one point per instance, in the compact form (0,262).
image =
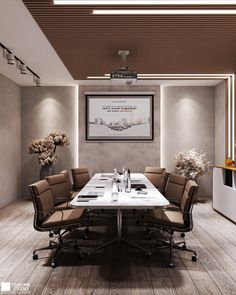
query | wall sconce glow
(164,12)
(144,2)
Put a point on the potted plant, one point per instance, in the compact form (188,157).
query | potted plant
(192,164)
(45,148)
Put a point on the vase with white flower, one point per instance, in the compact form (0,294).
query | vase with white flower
(45,148)
(192,164)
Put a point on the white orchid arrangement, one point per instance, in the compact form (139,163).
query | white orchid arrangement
(46,147)
(192,164)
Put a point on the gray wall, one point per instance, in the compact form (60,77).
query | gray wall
(104,156)
(220,124)
(10,147)
(188,122)
(45,109)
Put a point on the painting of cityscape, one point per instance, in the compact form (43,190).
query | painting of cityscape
(119,117)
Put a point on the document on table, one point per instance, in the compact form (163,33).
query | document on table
(93,190)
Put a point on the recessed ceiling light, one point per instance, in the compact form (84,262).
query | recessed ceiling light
(164,11)
(145,2)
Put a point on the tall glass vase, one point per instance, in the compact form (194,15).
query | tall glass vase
(46,170)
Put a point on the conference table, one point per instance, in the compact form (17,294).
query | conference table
(98,194)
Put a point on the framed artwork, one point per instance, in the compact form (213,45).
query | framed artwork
(119,117)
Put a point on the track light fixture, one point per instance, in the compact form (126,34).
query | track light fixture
(38,82)
(14,60)
(10,58)
(23,69)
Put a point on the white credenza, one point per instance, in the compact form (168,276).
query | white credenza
(224,191)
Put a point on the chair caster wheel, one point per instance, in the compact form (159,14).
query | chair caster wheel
(182,235)
(53,265)
(194,258)
(85,237)
(35,257)
(148,254)
(171,264)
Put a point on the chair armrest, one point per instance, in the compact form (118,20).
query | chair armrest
(51,212)
(66,200)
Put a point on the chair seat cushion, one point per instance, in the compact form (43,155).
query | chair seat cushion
(68,217)
(169,218)
(62,206)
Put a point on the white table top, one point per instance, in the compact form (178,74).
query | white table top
(131,200)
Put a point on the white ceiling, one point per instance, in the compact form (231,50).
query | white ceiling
(20,33)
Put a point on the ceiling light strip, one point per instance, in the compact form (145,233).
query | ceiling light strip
(173,75)
(164,11)
(159,77)
(182,77)
(144,2)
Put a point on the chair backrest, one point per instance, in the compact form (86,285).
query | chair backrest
(67,175)
(163,181)
(42,200)
(59,187)
(189,194)
(175,188)
(80,177)
(154,174)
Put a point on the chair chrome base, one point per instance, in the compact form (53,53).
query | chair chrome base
(58,246)
(161,244)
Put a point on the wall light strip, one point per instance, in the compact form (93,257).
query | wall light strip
(233,116)
(164,12)
(145,2)
(229,117)
(76,164)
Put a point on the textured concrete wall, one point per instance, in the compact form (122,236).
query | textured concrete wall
(45,109)
(188,121)
(104,156)
(220,124)
(10,141)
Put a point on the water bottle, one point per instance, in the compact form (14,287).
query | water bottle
(128,182)
(114,193)
(114,175)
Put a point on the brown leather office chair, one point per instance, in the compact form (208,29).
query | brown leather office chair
(60,190)
(80,177)
(158,177)
(171,220)
(58,221)
(175,188)
(67,175)
(173,192)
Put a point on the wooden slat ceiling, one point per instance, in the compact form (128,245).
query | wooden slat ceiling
(88,44)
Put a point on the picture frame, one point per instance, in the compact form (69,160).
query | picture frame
(119,117)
